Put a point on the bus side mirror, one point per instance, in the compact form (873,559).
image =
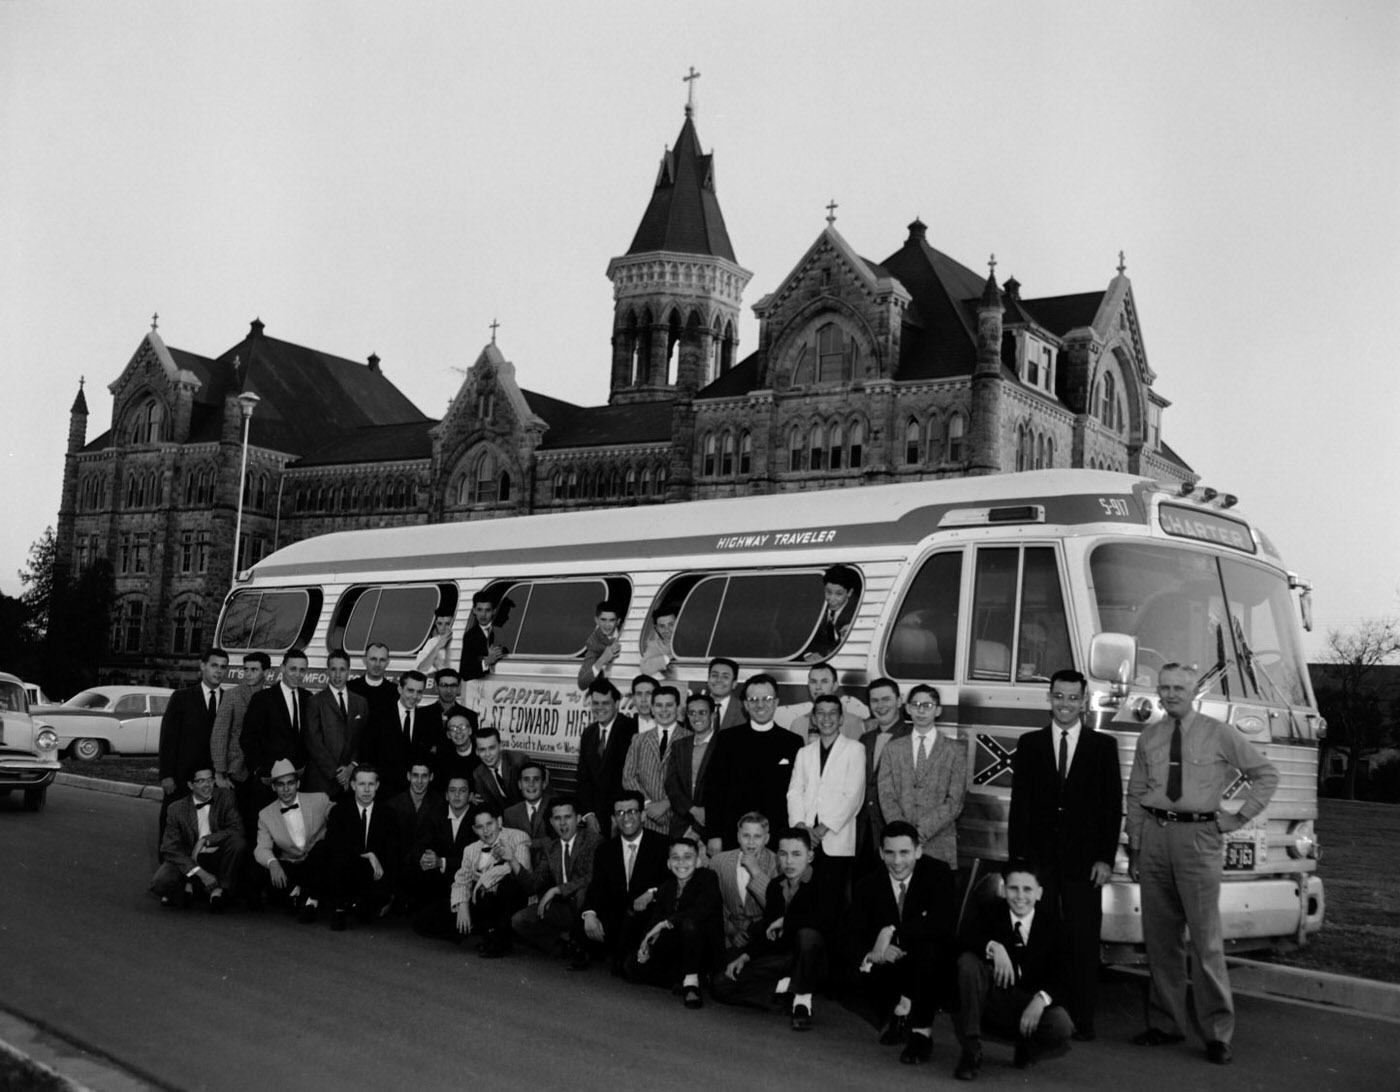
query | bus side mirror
(1304,590)
(1113,657)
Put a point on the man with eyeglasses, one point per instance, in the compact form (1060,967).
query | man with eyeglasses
(645,768)
(827,788)
(751,766)
(627,870)
(1066,815)
(457,758)
(687,763)
(923,779)
(203,843)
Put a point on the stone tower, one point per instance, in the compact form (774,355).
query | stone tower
(984,428)
(678,289)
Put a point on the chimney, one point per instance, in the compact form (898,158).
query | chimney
(374,363)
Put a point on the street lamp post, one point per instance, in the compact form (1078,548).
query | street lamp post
(247,402)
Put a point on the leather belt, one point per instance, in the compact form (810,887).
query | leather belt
(1165,816)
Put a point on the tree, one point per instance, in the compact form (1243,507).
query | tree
(80,622)
(38,581)
(1351,697)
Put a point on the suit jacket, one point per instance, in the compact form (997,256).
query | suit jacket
(930,908)
(931,799)
(476,645)
(185,727)
(274,840)
(750,771)
(1041,962)
(734,714)
(413,821)
(381,698)
(610,896)
(517,817)
(831,796)
(743,909)
(182,827)
(430,726)
(1065,832)
(225,747)
(332,740)
(268,733)
(391,752)
(484,781)
(829,636)
(645,770)
(818,904)
(346,840)
(600,775)
(447,764)
(870,810)
(698,901)
(435,833)
(685,786)
(549,868)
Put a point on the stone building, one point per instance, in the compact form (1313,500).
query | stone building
(912,367)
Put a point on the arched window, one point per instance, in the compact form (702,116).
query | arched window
(745,454)
(836,449)
(1109,400)
(1050,452)
(707,465)
(797,449)
(661,475)
(955,438)
(126,629)
(857,459)
(912,435)
(646,481)
(503,486)
(261,492)
(673,347)
(1022,448)
(572,491)
(146,422)
(189,627)
(833,355)
(726,455)
(816,449)
(629,484)
(557,485)
(484,479)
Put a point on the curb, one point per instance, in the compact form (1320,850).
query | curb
(8,1050)
(1360,995)
(116,788)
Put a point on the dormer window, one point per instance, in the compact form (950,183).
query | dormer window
(145,422)
(826,361)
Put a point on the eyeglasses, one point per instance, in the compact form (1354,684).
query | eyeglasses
(923,705)
(697,714)
(759,701)
(622,813)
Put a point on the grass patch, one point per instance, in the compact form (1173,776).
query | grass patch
(1360,933)
(133,771)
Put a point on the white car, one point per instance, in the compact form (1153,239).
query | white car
(120,719)
(28,750)
(34,692)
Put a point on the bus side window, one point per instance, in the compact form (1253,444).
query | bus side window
(272,620)
(924,638)
(1008,578)
(1044,645)
(994,613)
(553,618)
(753,617)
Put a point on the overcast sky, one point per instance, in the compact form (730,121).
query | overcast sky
(390,177)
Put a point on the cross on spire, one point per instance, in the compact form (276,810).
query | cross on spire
(155,319)
(689,82)
(1122,263)
(831,207)
(992,264)
(494,327)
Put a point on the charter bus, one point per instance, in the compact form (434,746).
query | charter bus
(981,586)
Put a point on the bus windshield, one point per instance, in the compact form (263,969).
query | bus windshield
(1230,619)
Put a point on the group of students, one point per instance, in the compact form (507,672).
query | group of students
(714,842)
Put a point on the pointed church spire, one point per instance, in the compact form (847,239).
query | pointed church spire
(80,403)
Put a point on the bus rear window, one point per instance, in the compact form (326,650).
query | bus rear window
(748,616)
(269,620)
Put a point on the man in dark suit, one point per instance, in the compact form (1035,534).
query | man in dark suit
(396,736)
(185,727)
(792,948)
(687,762)
(560,878)
(686,936)
(457,758)
(1011,974)
(901,941)
(336,720)
(627,870)
(886,724)
(275,725)
(203,843)
(841,592)
(602,753)
(434,715)
(414,810)
(480,649)
(1066,822)
(437,855)
(363,843)
(531,812)
(751,766)
(498,776)
(374,685)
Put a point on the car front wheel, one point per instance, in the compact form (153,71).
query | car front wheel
(34,798)
(85,750)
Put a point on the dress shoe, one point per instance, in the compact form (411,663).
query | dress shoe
(801,1018)
(1157,1037)
(1024,1057)
(216,902)
(308,913)
(1218,1052)
(690,995)
(918,1051)
(896,1031)
(338,920)
(169,903)
(969,1062)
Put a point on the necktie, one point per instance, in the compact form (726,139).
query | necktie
(1020,936)
(1174,768)
(602,741)
(202,804)
(631,860)
(1064,756)
(568,860)
(340,699)
(408,724)
(903,890)
(923,751)
(665,735)
(290,807)
(364,812)
(296,712)
(500,784)
(213,703)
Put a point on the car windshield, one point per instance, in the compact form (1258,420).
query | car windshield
(11,698)
(89,699)
(1230,619)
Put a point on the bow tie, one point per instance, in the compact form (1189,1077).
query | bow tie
(290,807)
(202,804)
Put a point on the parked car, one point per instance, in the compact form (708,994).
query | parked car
(121,719)
(35,693)
(28,750)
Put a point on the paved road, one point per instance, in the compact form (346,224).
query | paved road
(190,1001)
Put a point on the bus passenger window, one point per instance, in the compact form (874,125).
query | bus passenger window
(993,613)
(924,638)
(752,616)
(1043,647)
(269,620)
(841,598)
(553,618)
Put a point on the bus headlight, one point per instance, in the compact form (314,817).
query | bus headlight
(46,739)
(1303,840)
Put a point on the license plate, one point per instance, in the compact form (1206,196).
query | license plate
(1243,851)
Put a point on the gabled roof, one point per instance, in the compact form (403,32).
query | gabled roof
(939,338)
(684,214)
(374,444)
(1061,314)
(554,412)
(612,426)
